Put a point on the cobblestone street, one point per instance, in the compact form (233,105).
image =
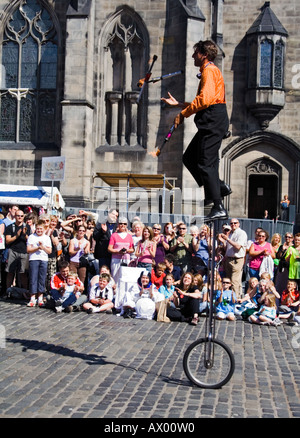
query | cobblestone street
(105,366)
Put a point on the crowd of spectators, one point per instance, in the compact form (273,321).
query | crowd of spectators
(77,264)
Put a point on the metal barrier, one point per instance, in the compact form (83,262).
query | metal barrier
(246,224)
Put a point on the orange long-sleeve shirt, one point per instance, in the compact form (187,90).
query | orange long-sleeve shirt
(211,90)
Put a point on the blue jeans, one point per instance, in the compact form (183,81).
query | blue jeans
(147,266)
(37,276)
(70,301)
(254,273)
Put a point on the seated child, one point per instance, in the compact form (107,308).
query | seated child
(100,296)
(199,283)
(67,294)
(250,299)
(225,301)
(168,288)
(158,275)
(290,300)
(267,312)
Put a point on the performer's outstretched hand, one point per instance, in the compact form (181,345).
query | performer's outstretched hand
(170,100)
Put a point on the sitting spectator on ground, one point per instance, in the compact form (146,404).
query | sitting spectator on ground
(104,270)
(67,295)
(203,300)
(266,315)
(168,288)
(100,296)
(187,298)
(290,301)
(172,269)
(250,299)
(140,300)
(225,301)
(58,282)
(158,274)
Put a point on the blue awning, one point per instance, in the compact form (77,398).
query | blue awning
(37,194)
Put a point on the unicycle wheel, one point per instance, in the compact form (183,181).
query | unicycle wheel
(208,370)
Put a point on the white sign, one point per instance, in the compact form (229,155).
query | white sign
(53,169)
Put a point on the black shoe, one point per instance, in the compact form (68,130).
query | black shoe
(217,212)
(225,189)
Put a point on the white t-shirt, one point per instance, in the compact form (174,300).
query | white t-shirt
(238,236)
(34,240)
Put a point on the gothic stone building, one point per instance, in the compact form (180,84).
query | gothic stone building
(69,87)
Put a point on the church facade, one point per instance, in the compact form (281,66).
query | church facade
(70,75)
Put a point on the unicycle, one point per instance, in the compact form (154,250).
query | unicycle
(209,362)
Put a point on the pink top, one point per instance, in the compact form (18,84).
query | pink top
(146,257)
(118,243)
(255,262)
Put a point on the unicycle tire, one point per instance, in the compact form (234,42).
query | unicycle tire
(218,373)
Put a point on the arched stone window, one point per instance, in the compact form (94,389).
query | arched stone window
(29,54)
(124,52)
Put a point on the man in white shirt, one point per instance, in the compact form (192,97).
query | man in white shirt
(236,244)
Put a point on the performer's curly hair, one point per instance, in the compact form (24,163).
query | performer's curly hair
(208,48)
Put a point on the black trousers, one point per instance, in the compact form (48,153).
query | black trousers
(201,157)
(188,307)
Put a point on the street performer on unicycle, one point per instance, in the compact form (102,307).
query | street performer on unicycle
(201,157)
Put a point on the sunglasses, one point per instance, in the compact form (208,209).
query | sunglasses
(226,282)
(122,223)
(154,228)
(233,223)
(181,228)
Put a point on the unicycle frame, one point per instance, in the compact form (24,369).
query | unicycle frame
(210,320)
(209,362)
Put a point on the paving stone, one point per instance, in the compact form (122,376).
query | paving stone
(65,366)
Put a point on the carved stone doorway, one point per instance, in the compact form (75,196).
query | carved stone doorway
(263,195)
(264,188)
